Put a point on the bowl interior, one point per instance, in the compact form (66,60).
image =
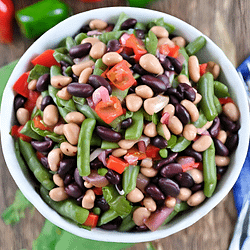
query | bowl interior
(70,27)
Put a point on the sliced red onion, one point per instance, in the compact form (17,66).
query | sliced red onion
(202,131)
(141,182)
(103,155)
(131,159)
(99,94)
(81,60)
(124,38)
(160,56)
(170,75)
(142,146)
(90,102)
(95,179)
(157,218)
(185,159)
(95,154)
(145,139)
(165,118)
(121,192)
(93,32)
(181,58)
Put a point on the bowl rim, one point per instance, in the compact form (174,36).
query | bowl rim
(98,234)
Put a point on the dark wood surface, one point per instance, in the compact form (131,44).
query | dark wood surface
(227,23)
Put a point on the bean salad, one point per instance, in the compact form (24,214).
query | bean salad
(122,127)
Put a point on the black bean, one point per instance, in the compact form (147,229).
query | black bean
(75,78)
(165,79)
(66,165)
(215,128)
(80,90)
(184,180)
(80,50)
(169,187)
(197,187)
(159,142)
(47,100)
(96,163)
(171,158)
(85,28)
(139,70)
(187,90)
(171,170)
(44,161)
(232,142)
(176,63)
(166,64)
(113,45)
(220,148)
(19,101)
(190,152)
(67,179)
(174,92)
(102,203)
(173,100)
(221,170)
(113,177)
(108,134)
(73,190)
(96,81)
(43,82)
(128,24)
(126,123)
(154,192)
(127,57)
(140,33)
(157,85)
(78,179)
(42,146)
(182,114)
(228,124)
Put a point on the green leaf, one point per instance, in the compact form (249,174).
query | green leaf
(37,71)
(151,43)
(80,37)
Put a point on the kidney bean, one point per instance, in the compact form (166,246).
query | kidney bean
(113,177)
(220,148)
(190,152)
(96,163)
(42,146)
(154,192)
(75,78)
(169,187)
(159,142)
(80,50)
(139,70)
(140,33)
(64,64)
(171,170)
(173,100)
(215,128)
(172,91)
(197,187)
(171,158)
(73,190)
(187,90)
(128,24)
(79,180)
(80,90)
(126,57)
(112,225)
(222,136)
(44,161)
(176,63)
(182,114)
(97,81)
(102,203)
(228,124)
(66,165)
(184,180)
(166,64)
(43,82)
(221,170)
(154,83)
(237,127)
(126,123)
(232,142)
(108,134)
(113,45)
(165,79)
(67,179)
(79,200)
(85,28)
(141,228)
(47,100)
(19,101)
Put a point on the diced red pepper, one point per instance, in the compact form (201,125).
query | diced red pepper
(38,123)
(153,152)
(135,152)
(21,85)
(31,102)
(108,111)
(104,74)
(39,155)
(203,68)
(97,190)
(188,166)
(198,165)
(46,59)
(91,220)
(15,132)
(168,50)
(116,164)
(121,76)
(224,100)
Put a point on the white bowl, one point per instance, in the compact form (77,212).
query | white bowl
(69,27)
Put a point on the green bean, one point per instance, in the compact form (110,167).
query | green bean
(45,93)
(206,89)
(128,222)
(79,100)
(109,145)
(193,47)
(172,141)
(41,174)
(129,178)
(107,217)
(67,208)
(62,50)
(27,130)
(217,105)
(184,70)
(120,94)
(163,153)
(70,42)
(115,124)
(37,71)
(68,71)
(181,144)
(134,132)
(220,89)
(140,26)
(100,67)
(97,210)
(151,118)
(160,130)
(202,120)
(160,22)
(151,42)
(62,57)
(122,18)
(105,37)
(209,171)
(170,217)
(83,147)
(95,141)
(80,37)
(20,160)
(182,206)
(102,171)
(55,71)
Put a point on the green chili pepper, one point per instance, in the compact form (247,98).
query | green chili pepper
(27,130)
(193,47)
(55,71)
(163,153)
(220,89)
(129,178)
(151,42)
(122,18)
(202,120)
(37,71)
(209,171)
(172,141)
(100,67)
(134,132)
(62,57)
(70,42)
(217,105)
(109,145)
(83,146)
(184,70)
(206,89)
(105,37)
(181,144)
(39,171)
(79,37)
(67,208)
(107,217)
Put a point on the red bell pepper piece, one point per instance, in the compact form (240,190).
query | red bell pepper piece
(224,100)
(7,14)
(31,102)
(203,68)
(38,123)
(15,132)
(97,190)
(135,152)
(168,50)
(46,59)
(153,152)
(91,220)
(116,164)
(21,85)
(121,76)
(108,111)
(39,155)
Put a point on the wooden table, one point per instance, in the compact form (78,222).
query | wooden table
(227,23)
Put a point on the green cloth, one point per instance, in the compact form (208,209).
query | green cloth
(139,3)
